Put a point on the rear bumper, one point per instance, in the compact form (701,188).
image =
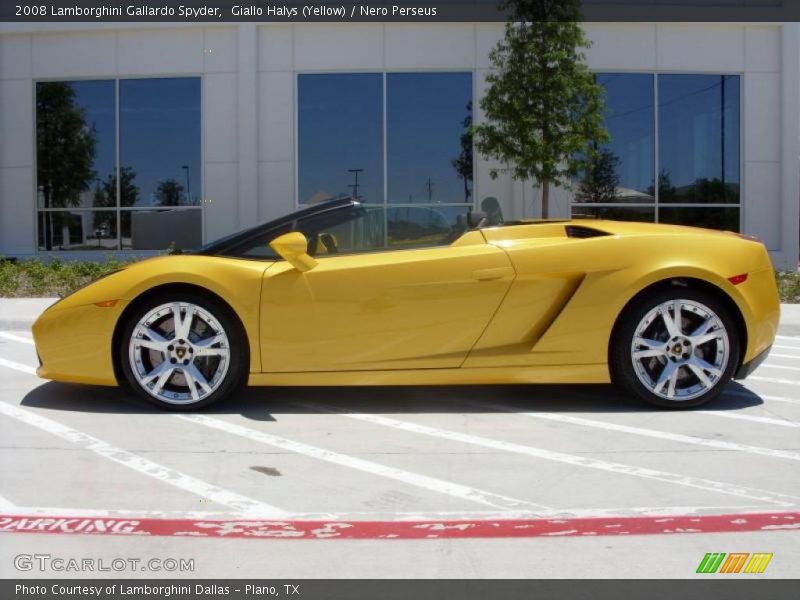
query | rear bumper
(747,368)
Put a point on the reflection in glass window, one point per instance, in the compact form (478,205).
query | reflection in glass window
(78,230)
(75,143)
(710,217)
(429,146)
(159,128)
(77,170)
(625,168)
(159,229)
(340,137)
(615,213)
(424,226)
(699,138)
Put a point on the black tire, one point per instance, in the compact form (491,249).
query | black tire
(238,358)
(622,363)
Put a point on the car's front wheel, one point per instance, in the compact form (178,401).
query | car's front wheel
(675,348)
(183,351)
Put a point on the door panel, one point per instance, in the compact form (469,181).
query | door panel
(405,309)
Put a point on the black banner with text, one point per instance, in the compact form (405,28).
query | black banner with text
(385,11)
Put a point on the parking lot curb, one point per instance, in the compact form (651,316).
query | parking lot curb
(278,528)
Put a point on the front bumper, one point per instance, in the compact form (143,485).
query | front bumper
(747,368)
(74,344)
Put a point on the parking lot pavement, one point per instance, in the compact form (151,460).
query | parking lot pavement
(499,481)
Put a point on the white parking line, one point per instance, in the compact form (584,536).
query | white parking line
(752,418)
(16,338)
(773,380)
(579,461)
(750,394)
(653,433)
(140,464)
(421,481)
(784,348)
(6,504)
(782,367)
(795,338)
(10,364)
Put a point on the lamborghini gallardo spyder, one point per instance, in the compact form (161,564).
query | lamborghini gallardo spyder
(344,293)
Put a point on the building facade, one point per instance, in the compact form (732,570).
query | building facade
(128,138)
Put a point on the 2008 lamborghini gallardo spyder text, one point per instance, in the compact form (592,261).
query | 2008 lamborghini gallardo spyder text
(339,294)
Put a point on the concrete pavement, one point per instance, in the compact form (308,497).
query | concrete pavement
(349,456)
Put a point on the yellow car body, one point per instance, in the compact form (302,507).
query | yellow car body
(520,303)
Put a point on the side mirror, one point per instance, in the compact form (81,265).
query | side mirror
(293,248)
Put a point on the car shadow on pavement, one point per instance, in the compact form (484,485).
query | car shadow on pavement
(269,403)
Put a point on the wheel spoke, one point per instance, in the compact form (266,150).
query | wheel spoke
(673,381)
(672,322)
(151,345)
(705,366)
(704,339)
(651,348)
(183,323)
(204,347)
(201,352)
(195,379)
(701,375)
(164,378)
(703,328)
(158,371)
(666,375)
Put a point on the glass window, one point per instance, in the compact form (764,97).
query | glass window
(159,145)
(625,168)
(699,138)
(615,213)
(710,217)
(160,163)
(429,146)
(365,228)
(75,144)
(424,226)
(78,230)
(160,229)
(698,151)
(340,137)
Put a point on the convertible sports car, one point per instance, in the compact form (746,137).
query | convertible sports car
(349,294)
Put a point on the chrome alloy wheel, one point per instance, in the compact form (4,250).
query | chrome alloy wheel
(179,353)
(680,350)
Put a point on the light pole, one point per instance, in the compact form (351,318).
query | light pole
(354,185)
(188,187)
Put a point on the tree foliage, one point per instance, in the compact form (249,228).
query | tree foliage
(543,106)
(600,181)
(65,146)
(169,193)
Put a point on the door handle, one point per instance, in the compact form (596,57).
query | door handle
(492,274)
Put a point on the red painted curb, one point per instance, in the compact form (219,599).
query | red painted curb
(420,529)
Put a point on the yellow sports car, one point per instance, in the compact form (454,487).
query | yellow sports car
(344,293)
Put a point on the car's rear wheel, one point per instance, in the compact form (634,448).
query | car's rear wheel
(183,351)
(675,348)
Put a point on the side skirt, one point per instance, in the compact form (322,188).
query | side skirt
(464,376)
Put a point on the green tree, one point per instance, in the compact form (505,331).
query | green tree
(463,162)
(169,193)
(65,150)
(600,181)
(543,106)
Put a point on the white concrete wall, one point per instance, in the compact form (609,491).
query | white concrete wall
(249,107)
